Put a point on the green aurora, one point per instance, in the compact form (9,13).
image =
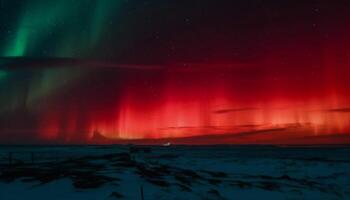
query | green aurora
(71,28)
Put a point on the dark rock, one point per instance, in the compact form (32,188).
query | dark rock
(116,195)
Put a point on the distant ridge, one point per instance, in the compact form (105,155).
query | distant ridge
(234,139)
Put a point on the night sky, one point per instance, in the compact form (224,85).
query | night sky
(191,72)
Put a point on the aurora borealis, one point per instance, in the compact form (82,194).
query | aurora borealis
(198,72)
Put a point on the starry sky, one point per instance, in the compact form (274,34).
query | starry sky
(189,72)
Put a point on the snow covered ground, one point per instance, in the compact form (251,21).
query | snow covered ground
(178,172)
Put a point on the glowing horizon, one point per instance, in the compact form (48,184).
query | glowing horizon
(94,71)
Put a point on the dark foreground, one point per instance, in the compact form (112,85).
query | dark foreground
(181,172)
